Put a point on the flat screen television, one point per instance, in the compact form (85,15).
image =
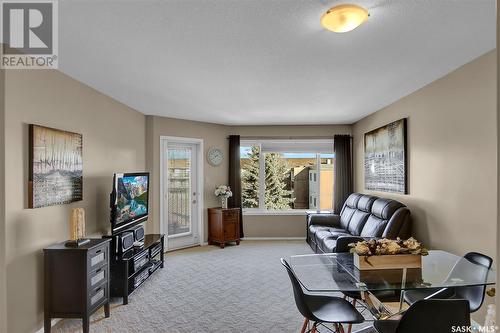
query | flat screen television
(129,200)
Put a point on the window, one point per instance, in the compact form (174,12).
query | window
(287,175)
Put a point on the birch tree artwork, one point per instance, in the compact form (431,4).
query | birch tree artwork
(56,167)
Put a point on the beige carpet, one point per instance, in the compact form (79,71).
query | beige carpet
(207,289)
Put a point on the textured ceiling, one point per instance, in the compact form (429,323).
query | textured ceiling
(266,62)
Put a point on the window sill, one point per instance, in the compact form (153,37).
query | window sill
(256,212)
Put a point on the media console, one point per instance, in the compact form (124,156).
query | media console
(129,270)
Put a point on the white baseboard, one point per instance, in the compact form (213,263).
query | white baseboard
(52,324)
(273,238)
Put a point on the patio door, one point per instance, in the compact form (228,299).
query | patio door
(181,189)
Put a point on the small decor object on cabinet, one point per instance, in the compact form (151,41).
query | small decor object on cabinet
(77,228)
(223,226)
(215,156)
(55,167)
(388,254)
(223,192)
(76,281)
(385,158)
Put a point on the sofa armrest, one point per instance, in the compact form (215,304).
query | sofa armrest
(327,220)
(399,225)
(343,242)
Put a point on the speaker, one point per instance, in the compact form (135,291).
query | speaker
(123,241)
(138,231)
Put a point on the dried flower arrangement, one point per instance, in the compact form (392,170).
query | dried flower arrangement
(384,246)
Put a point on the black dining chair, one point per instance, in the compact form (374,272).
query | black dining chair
(475,294)
(322,308)
(433,315)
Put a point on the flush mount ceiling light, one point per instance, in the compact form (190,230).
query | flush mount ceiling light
(344,18)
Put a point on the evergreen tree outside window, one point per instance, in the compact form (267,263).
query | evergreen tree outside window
(250,176)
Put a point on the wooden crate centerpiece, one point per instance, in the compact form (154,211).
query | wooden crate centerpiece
(388,261)
(388,254)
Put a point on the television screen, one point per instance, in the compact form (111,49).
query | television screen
(131,201)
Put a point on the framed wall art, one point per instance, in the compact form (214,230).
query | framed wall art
(386,158)
(55,167)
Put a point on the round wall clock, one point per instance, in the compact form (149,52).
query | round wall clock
(215,156)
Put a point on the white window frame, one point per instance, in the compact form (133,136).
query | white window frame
(261,210)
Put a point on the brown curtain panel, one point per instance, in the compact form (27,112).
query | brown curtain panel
(235,176)
(343,185)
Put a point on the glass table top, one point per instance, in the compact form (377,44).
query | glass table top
(336,272)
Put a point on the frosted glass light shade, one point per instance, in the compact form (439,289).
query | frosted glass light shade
(344,18)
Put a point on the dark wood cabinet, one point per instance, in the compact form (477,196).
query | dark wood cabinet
(223,226)
(76,281)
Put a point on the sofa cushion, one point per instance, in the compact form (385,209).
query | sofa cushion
(352,200)
(337,234)
(321,234)
(357,222)
(374,227)
(315,228)
(365,203)
(332,230)
(328,245)
(346,216)
(384,208)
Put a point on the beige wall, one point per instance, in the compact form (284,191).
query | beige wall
(452,150)
(452,154)
(114,141)
(3,300)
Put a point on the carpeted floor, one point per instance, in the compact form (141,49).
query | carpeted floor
(206,289)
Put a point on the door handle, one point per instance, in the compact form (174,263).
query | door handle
(194,201)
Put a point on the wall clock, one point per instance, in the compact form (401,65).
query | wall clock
(215,156)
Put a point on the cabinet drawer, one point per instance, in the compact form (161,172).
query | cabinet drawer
(98,295)
(98,257)
(231,215)
(97,276)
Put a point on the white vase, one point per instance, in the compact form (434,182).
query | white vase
(224,202)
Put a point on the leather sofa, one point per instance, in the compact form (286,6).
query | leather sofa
(362,217)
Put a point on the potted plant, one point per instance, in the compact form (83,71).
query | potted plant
(223,192)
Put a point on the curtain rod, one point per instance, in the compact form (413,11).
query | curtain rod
(287,137)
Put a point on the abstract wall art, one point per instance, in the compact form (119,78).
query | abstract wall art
(386,159)
(55,167)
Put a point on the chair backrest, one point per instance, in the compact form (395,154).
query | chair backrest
(436,316)
(475,295)
(298,293)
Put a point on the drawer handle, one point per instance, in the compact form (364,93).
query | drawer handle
(98,251)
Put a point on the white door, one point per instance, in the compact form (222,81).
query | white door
(181,206)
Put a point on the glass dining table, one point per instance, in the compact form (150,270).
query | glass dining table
(336,272)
